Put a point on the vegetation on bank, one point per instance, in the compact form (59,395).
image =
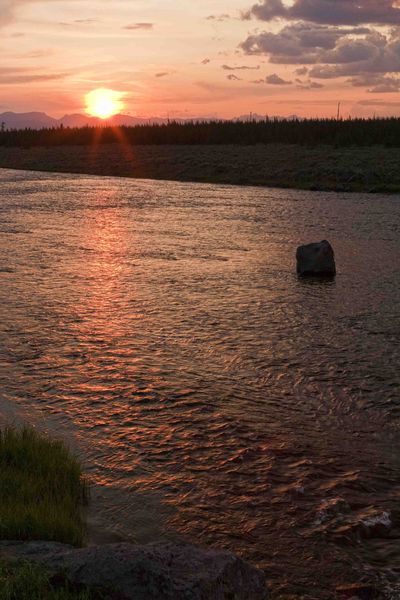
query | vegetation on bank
(362,169)
(27,581)
(41,489)
(308,132)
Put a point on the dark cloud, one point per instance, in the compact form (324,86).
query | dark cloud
(377,84)
(77,22)
(205,61)
(233,77)
(274,79)
(330,12)
(142,26)
(332,38)
(330,51)
(382,103)
(377,54)
(163,74)
(308,85)
(219,18)
(299,42)
(240,68)
(385,88)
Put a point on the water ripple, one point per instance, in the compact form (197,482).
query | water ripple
(213,395)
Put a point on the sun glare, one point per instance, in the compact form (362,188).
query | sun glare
(103,103)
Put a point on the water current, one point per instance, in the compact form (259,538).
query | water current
(213,396)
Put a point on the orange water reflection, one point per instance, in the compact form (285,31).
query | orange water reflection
(163,324)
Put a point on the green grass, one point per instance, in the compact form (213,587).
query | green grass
(41,489)
(26,581)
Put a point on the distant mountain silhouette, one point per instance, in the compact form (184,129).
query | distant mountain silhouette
(39,120)
(35,120)
(257,117)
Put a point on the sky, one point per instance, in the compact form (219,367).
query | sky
(219,58)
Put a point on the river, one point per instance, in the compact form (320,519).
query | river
(213,396)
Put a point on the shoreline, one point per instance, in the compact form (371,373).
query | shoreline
(44,547)
(368,169)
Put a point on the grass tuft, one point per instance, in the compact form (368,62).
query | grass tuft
(27,581)
(41,489)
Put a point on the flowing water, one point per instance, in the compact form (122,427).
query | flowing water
(213,395)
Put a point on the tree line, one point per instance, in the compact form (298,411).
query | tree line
(312,132)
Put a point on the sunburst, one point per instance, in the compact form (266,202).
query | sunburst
(103,103)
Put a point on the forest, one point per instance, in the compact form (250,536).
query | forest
(307,132)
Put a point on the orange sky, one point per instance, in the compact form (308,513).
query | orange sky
(207,58)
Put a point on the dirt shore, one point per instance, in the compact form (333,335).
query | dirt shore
(367,169)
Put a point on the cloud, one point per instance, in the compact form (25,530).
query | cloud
(382,103)
(85,21)
(233,77)
(163,74)
(274,79)
(35,54)
(329,12)
(308,85)
(9,8)
(378,84)
(332,39)
(375,54)
(219,18)
(240,68)
(329,51)
(205,61)
(140,26)
(298,43)
(17,76)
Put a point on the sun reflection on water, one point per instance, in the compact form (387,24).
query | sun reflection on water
(212,394)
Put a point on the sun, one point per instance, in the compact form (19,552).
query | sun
(103,103)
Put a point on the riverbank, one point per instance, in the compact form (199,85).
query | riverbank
(42,491)
(353,169)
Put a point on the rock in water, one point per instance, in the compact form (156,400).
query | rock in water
(316,259)
(163,571)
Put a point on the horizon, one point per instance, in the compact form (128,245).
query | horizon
(211,61)
(154,120)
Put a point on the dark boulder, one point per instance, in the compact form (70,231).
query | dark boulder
(316,260)
(163,571)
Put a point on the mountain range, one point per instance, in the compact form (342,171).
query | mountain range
(40,120)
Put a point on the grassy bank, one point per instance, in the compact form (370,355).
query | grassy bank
(355,169)
(41,493)
(41,489)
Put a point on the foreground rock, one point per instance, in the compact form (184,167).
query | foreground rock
(316,260)
(152,572)
(357,591)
